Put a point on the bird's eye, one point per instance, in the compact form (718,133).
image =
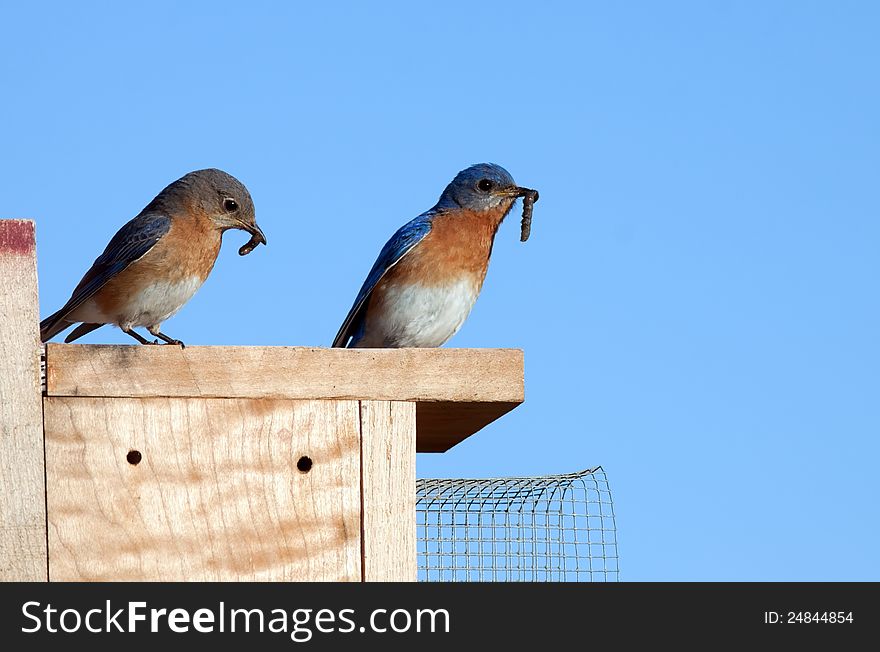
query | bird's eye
(230,205)
(485,185)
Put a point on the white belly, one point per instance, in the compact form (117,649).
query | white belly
(149,307)
(420,316)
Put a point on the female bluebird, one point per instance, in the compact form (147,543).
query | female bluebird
(429,274)
(156,262)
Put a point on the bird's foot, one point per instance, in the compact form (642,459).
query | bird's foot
(142,340)
(168,340)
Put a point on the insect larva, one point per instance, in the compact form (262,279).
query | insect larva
(249,246)
(529,199)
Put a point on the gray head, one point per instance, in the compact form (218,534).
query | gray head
(213,193)
(481,187)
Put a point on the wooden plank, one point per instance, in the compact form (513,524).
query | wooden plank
(22,489)
(388,459)
(217,494)
(454,375)
(442,425)
(458,391)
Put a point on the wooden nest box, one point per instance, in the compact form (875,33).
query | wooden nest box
(220,463)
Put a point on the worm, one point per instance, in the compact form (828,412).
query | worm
(529,199)
(249,247)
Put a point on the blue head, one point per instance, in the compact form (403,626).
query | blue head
(482,187)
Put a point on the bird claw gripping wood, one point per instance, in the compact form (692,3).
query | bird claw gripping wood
(529,199)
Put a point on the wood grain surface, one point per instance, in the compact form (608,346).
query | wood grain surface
(457,391)
(215,495)
(388,454)
(22,490)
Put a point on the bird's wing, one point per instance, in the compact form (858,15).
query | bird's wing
(400,244)
(129,244)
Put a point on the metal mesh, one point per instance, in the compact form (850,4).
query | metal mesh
(555,528)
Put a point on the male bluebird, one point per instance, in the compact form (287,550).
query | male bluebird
(428,275)
(156,262)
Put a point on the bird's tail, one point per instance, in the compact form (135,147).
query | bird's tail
(80,330)
(54,324)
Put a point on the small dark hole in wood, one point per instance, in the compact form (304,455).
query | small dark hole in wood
(134,457)
(304,464)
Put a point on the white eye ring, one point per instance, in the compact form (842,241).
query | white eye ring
(230,205)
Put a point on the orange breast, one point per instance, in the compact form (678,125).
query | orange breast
(458,245)
(188,250)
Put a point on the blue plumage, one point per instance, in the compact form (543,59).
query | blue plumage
(406,237)
(131,242)
(463,191)
(426,299)
(158,260)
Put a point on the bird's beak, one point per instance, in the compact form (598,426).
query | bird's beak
(257,233)
(524,192)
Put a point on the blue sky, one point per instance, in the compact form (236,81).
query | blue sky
(697,304)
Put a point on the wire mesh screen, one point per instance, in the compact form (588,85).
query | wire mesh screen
(555,528)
